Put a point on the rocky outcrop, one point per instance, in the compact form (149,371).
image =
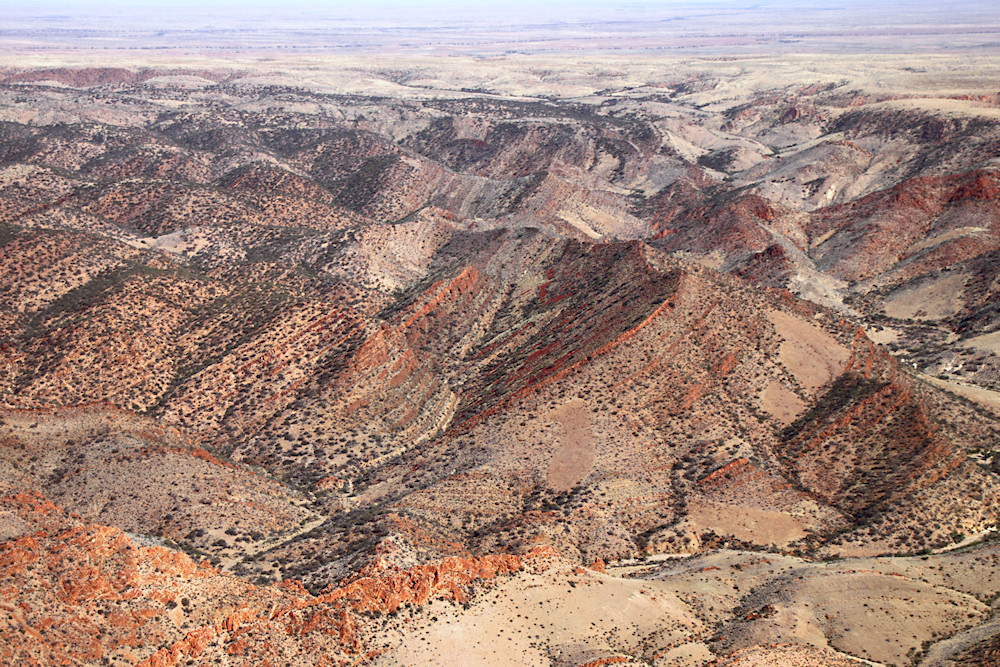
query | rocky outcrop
(865,443)
(694,216)
(571,323)
(869,236)
(333,614)
(155,597)
(771,267)
(385,588)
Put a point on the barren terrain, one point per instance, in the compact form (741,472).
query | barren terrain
(501,358)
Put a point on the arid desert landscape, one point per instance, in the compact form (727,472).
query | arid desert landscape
(661,348)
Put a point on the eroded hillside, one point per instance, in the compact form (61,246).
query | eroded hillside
(358,355)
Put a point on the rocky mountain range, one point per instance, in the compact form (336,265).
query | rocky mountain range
(673,363)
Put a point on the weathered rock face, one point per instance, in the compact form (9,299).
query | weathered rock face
(852,424)
(933,222)
(984,653)
(594,299)
(708,219)
(58,577)
(75,592)
(771,267)
(385,589)
(380,587)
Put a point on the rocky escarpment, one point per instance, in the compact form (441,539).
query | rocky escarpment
(918,226)
(77,592)
(568,323)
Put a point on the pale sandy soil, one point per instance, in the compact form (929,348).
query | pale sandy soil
(781,403)
(553,617)
(817,287)
(13,526)
(575,447)
(526,76)
(737,608)
(882,336)
(989,342)
(813,356)
(969,540)
(985,397)
(932,301)
(248,553)
(941,653)
(950,235)
(747,523)
(181,242)
(947,107)
(879,609)
(578,221)
(794,655)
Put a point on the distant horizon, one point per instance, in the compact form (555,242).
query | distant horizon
(571,10)
(522,26)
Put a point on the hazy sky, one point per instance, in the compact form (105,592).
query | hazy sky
(402,12)
(413,12)
(352,7)
(452,24)
(333,7)
(336,6)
